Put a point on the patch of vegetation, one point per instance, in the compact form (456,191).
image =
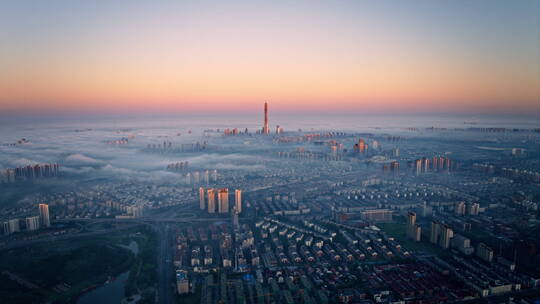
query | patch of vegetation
(142,276)
(72,265)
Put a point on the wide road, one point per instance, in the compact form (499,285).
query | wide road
(164,269)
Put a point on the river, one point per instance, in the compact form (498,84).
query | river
(112,292)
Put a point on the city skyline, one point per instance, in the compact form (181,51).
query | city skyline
(461,56)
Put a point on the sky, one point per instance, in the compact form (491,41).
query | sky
(211,56)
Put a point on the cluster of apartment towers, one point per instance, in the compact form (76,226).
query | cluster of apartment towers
(441,234)
(33,223)
(29,172)
(207,200)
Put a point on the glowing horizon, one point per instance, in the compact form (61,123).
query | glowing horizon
(194,56)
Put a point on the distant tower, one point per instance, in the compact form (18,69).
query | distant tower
(238,200)
(414,230)
(411,221)
(266,130)
(44,215)
(211,200)
(202,204)
(207,177)
(223,200)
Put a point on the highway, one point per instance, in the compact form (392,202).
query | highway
(165,275)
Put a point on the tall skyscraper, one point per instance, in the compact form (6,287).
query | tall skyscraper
(211,194)
(223,200)
(446,236)
(201,199)
(484,252)
(44,215)
(418,166)
(459,208)
(206,177)
(11,226)
(447,164)
(413,230)
(266,129)
(32,223)
(238,200)
(6,229)
(182,282)
(472,209)
(361,146)
(425,164)
(434,235)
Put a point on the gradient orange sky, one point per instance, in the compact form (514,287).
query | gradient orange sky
(320,55)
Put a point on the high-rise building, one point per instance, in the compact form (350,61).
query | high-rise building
(435,163)
(446,236)
(11,226)
(32,223)
(266,129)
(202,204)
(425,164)
(238,200)
(362,146)
(473,209)
(416,233)
(5,228)
(223,200)
(206,177)
(136,211)
(413,230)
(44,215)
(435,231)
(462,244)
(448,164)
(441,162)
(411,219)
(182,282)
(484,252)
(211,196)
(459,208)
(418,166)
